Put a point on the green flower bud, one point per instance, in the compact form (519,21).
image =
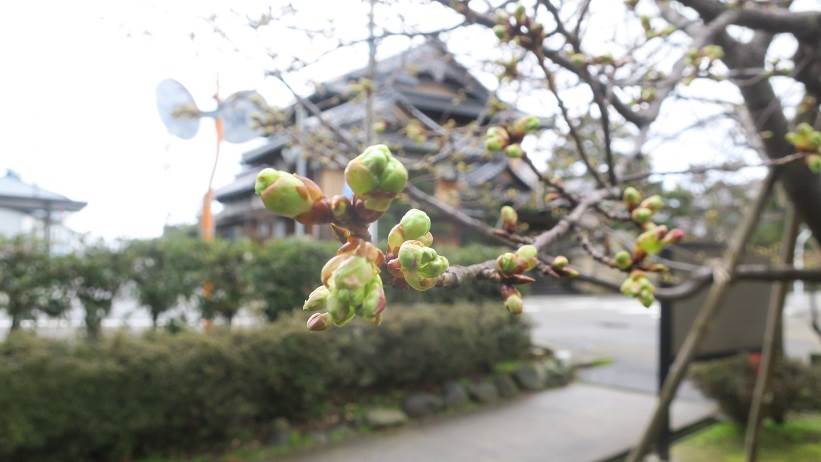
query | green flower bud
(632,197)
(673,237)
(340,307)
(526,124)
(376,176)
(421,265)
(374,302)
(519,12)
(285,194)
(713,52)
(509,218)
(649,242)
(415,223)
(319,321)
(641,215)
(654,203)
(514,151)
(500,31)
(646,297)
(507,263)
(317,299)
(560,262)
(426,239)
(514,304)
(814,163)
(352,274)
(622,259)
(529,255)
(578,59)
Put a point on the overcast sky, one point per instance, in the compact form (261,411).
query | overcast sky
(78,108)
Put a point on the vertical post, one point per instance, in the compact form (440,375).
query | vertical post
(770,351)
(722,277)
(665,353)
(301,162)
(47,228)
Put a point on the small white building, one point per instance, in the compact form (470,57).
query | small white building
(28,209)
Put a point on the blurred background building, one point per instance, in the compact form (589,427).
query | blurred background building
(27,209)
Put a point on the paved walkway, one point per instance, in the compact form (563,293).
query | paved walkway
(581,422)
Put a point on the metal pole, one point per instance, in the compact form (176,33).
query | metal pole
(665,353)
(373,229)
(701,326)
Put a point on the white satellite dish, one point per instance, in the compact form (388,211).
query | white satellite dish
(240,112)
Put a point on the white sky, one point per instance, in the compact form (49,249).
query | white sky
(78,108)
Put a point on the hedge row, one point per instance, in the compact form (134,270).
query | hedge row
(126,396)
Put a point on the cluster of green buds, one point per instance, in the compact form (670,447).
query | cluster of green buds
(509,219)
(650,32)
(411,257)
(518,28)
(292,196)
(511,267)
(641,211)
(351,286)
(702,60)
(416,131)
(638,286)
(508,137)
(807,140)
(376,178)
(581,59)
(655,239)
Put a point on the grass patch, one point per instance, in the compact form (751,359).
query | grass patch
(797,440)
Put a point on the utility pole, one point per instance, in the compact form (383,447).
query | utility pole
(371,89)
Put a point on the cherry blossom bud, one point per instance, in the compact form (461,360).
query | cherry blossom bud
(814,163)
(632,197)
(623,260)
(519,13)
(650,242)
(514,304)
(528,254)
(421,265)
(507,263)
(526,124)
(496,139)
(674,236)
(317,299)
(319,321)
(654,203)
(376,176)
(514,151)
(641,215)
(570,272)
(286,194)
(373,304)
(646,297)
(559,262)
(500,31)
(509,218)
(415,223)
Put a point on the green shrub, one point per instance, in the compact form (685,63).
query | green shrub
(125,396)
(731,381)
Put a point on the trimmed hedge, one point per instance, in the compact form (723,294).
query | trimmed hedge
(127,396)
(730,381)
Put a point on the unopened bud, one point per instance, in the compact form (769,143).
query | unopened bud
(509,218)
(285,194)
(529,255)
(674,236)
(376,176)
(632,197)
(415,223)
(317,299)
(514,151)
(514,304)
(560,262)
(506,263)
(500,31)
(654,203)
(519,13)
(650,242)
(641,215)
(622,259)
(646,297)
(526,124)
(814,163)
(319,321)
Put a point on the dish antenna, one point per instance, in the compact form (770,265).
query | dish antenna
(240,113)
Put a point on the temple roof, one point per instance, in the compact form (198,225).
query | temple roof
(18,195)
